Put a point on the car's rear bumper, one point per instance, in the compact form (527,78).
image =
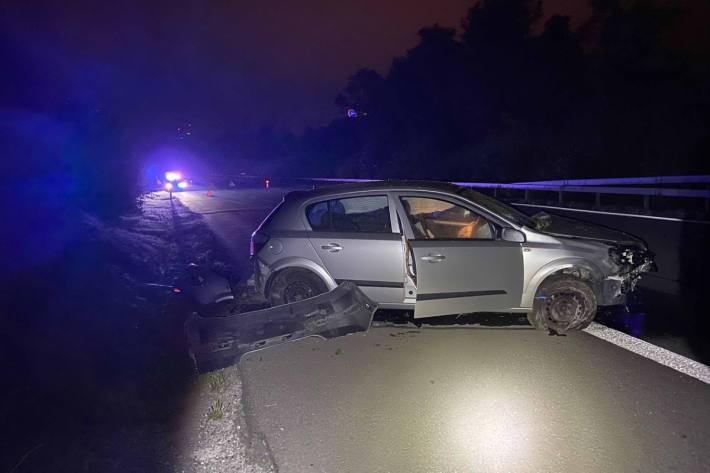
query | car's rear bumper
(216,342)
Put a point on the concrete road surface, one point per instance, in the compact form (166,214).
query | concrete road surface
(462,399)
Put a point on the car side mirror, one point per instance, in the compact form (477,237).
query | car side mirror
(511,234)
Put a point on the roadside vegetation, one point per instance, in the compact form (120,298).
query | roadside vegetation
(514,95)
(94,358)
(217,382)
(216,410)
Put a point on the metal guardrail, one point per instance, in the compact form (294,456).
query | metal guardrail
(701,179)
(592,186)
(650,191)
(582,188)
(598,187)
(598,191)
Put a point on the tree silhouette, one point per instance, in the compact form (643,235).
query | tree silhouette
(507,99)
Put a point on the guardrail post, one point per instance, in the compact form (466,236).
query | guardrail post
(647,203)
(560,199)
(598,200)
(495,192)
(707,200)
(527,196)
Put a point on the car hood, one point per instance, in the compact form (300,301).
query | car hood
(570,228)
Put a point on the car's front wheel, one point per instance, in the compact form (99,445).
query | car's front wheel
(563,303)
(293,285)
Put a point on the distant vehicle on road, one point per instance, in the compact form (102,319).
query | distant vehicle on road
(439,249)
(175,182)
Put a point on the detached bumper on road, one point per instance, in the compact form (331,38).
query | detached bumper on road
(217,342)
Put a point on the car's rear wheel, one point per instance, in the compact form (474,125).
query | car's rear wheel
(563,303)
(293,285)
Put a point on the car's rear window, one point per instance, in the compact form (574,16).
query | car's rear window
(366,214)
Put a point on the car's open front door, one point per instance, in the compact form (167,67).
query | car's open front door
(461,276)
(461,264)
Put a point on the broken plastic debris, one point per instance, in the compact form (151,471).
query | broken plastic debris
(217,342)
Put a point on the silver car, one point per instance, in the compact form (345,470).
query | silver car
(440,249)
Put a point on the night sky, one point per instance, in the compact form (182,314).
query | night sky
(217,64)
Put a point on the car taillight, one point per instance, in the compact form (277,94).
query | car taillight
(257,242)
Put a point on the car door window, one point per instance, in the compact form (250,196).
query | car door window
(366,214)
(436,219)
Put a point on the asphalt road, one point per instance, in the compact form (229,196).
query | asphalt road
(460,399)
(233,215)
(474,400)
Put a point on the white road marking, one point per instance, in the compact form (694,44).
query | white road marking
(619,214)
(660,355)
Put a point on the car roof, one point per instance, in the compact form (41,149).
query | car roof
(285,217)
(388,185)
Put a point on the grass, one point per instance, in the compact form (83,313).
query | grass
(216,410)
(216,382)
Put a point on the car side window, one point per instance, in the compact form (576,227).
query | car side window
(435,219)
(315,214)
(366,214)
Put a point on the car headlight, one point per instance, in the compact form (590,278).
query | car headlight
(630,256)
(172,176)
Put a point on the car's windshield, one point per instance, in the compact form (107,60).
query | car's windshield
(497,207)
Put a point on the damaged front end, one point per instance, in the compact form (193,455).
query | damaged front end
(632,262)
(217,342)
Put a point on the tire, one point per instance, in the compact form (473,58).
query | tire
(293,285)
(562,304)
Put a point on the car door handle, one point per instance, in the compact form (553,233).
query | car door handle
(434,258)
(332,247)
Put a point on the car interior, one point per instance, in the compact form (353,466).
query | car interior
(356,214)
(438,219)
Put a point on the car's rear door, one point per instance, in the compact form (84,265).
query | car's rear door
(461,265)
(356,240)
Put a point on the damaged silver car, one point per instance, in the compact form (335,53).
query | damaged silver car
(440,249)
